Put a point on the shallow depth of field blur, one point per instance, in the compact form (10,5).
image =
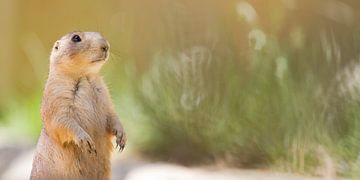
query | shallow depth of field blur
(237,83)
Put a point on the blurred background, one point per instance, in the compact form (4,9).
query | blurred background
(239,84)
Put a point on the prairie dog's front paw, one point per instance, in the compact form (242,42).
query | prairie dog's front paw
(85,143)
(120,138)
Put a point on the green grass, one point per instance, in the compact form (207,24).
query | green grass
(264,117)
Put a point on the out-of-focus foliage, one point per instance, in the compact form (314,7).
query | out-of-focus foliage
(245,83)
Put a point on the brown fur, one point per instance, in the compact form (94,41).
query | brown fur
(77,113)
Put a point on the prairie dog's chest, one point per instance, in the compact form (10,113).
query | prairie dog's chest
(90,96)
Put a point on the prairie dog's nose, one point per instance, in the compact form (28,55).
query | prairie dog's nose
(105,47)
(100,41)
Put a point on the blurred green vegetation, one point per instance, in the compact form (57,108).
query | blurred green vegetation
(241,83)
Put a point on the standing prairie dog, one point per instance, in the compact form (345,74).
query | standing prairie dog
(77,113)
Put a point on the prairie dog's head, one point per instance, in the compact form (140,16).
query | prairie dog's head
(80,52)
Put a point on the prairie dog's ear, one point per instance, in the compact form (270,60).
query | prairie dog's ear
(56,45)
(55,52)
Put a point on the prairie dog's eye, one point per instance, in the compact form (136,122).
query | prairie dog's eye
(76,38)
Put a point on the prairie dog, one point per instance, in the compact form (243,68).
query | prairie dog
(77,113)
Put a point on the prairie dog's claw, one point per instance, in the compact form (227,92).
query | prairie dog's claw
(120,140)
(85,143)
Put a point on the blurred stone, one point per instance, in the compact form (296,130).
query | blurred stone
(16,164)
(175,172)
(122,167)
(7,155)
(20,167)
